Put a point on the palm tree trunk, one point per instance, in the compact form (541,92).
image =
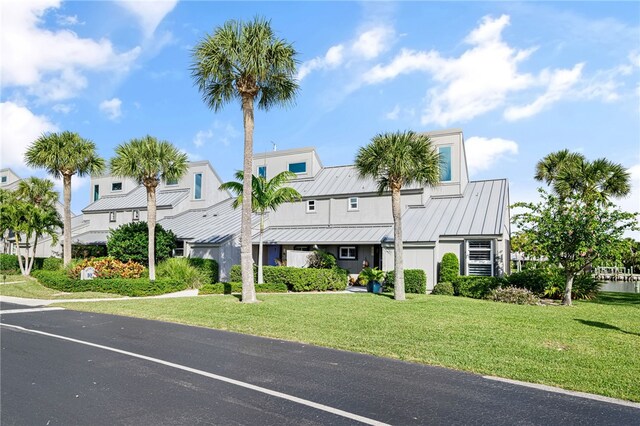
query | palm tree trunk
(566,299)
(66,230)
(19,253)
(151,226)
(260,270)
(246,256)
(398,288)
(32,258)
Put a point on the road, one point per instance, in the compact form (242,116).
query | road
(61,367)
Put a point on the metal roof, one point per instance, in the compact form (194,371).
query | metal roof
(339,180)
(137,199)
(91,237)
(340,234)
(480,211)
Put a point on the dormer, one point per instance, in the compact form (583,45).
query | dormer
(304,162)
(454,176)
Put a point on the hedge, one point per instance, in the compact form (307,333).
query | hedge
(449,268)
(52,264)
(476,287)
(444,289)
(298,279)
(9,263)
(126,287)
(415,281)
(551,282)
(235,287)
(209,266)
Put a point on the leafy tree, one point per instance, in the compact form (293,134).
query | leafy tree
(573,232)
(245,61)
(265,195)
(64,155)
(131,242)
(395,160)
(149,161)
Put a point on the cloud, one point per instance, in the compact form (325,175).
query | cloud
(484,153)
(112,108)
(63,108)
(68,20)
(370,44)
(218,132)
(201,137)
(52,63)
(20,127)
(331,59)
(394,114)
(149,13)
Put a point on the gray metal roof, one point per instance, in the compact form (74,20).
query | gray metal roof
(480,211)
(343,234)
(137,199)
(91,237)
(339,180)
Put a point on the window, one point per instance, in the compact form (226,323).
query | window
(298,168)
(135,215)
(301,248)
(112,216)
(445,163)
(116,186)
(480,258)
(311,206)
(197,186)
(353,203)
(348,253)
(262,171)
(4,179)
(96,192)
(171,182)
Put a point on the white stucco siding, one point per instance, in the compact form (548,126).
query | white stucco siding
(226,254)
(414,257)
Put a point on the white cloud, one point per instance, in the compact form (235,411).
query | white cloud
(51,63)
(218,132)
(20,127)
(68,20)
(484,153)
(63,108)
(331,59)
(149,13)
(370,44)
(112,108)
(394,114)
(201,137)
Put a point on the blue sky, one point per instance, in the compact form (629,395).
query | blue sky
(521,79)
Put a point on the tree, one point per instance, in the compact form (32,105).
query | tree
(395,160)
(63,155)
(573,232)
(131,242)
(149,161)
(265,195)
(245,61)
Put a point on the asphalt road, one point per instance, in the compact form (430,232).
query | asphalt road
(63,367)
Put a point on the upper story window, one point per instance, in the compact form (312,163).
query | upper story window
(112,216)
(171,182)
(135,215)
(96,192)
(116,186)
(197,186)
(262,171)
(445,163)
(298,168)
(4,179)
(311,206)
(353,204)
(480,258)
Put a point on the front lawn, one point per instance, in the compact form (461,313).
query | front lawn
(31,289)
(590,347)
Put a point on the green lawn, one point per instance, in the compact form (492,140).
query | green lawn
(590,347)
(32,289)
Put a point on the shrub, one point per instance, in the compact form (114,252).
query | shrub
(449,268)
(59,280)
(235,287)
(9,263)
(108,267)
(550,282)
(131,242)
(534,280)
(320,259)
(86,251)
(52,264)
(298,279)
(208,266)
(518,296)
(415,281)
(444,289)
(180,269)
(475,287)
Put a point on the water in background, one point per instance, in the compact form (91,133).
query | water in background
(621,286)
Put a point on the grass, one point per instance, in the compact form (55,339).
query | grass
(32,289)
(590,347)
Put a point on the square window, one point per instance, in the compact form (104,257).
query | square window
(4,179)
(262,171)
(480,258)
(353,203)
(298,168)
(348,253)
(116,186)
(311,206)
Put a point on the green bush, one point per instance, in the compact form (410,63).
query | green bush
(515,295)
(208,266)
(298,279)
(475,287)
(181,269)
(449,268)
(131,242)
(59,280)
(52,264)
(9,263)
(235,287)
(444,289)
(86,251)
(550,282)
(415,281)
(321,259)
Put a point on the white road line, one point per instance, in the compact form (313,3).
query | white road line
(566,392)
(277,394)
(25,310)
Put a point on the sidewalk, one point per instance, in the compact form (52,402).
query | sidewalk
(46,302)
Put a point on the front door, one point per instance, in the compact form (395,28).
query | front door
(273,253)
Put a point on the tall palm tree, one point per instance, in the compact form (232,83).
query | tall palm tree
(245,61)
(149,161)
(63,155)
(265,195)
(395,160)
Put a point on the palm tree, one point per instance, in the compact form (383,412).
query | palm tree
(395,160)
(149,161)
(64,155)
(265,195)
(245,61)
